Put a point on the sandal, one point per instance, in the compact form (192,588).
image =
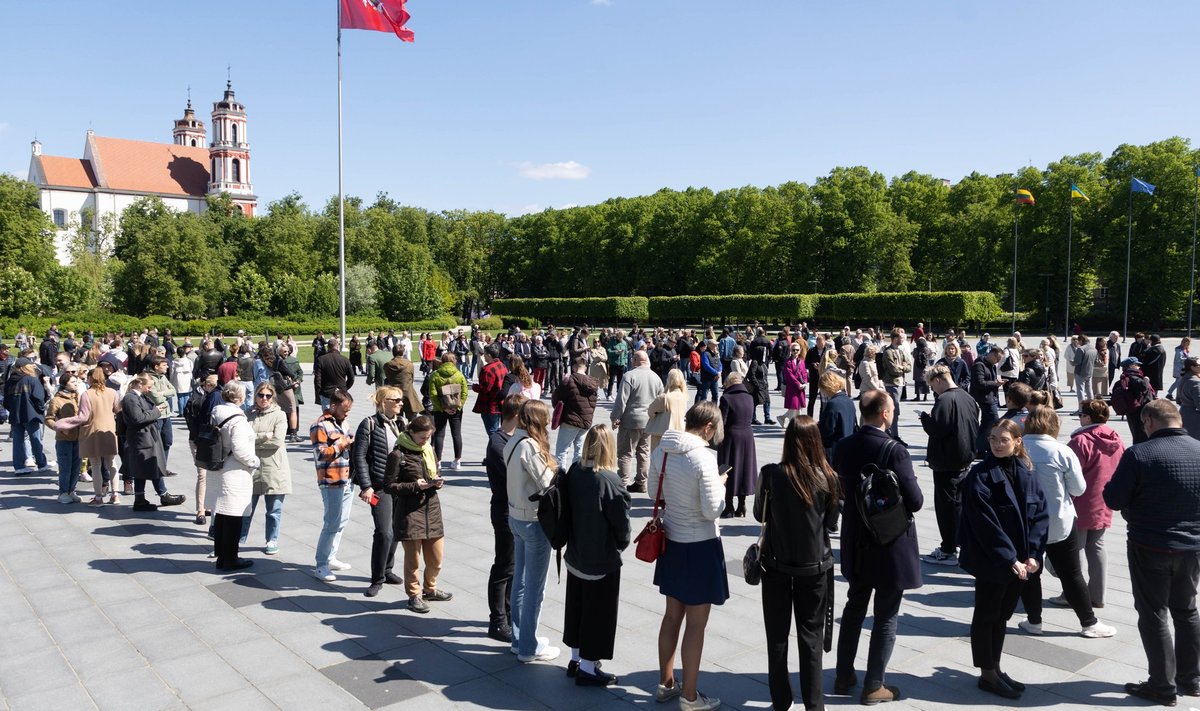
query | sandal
(114,498)
(96,501)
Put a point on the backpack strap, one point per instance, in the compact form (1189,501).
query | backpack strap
(885,452)
(508,461)
(227,419)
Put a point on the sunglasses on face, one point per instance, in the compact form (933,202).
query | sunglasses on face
(393,399)
(264,396)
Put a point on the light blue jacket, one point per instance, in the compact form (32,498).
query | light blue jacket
(1060,476)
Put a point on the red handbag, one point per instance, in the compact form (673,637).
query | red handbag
(652,541)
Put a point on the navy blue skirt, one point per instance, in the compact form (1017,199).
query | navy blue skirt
(693,573)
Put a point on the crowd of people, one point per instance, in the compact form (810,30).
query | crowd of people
(1010,499)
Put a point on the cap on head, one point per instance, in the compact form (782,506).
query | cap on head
(1130,361)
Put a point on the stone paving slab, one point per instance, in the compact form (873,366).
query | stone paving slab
(116,610)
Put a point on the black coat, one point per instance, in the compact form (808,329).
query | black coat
(369,453)
(756,382)
(1034,375)
(737,449)
(1003,519)
(959,371)
(416,513)
(837,420)
(952,426)
(894,567)
(796,540)
(332,371)
(577,393)
(143,440)
(985,382)
(599,506)
(1156,487)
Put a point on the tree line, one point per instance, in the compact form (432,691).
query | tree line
(853,230)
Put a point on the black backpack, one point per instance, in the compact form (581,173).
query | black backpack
(880,503)
(554,513)
(210,448)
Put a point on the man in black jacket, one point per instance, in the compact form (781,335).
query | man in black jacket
(985,384)
(953,427)
(332,371)
(1156,487)
(501,575)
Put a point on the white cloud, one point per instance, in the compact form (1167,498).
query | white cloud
(565,170)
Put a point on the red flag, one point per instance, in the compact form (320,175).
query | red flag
(377,15)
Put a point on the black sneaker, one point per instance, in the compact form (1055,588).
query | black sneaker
(1142,690)
(637,488)
(417,605)
(373,589)
(142,505)
(237,564)
(500,633)
(437,596)
(171,499)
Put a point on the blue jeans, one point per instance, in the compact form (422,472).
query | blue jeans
(33,430)
(471,366)
(274,511)
(491,423)
(337,500)
(168,436)
(894,391)
(183,401)
(69,465)
(531,561)
(883,632)
(569,445)
(707,386)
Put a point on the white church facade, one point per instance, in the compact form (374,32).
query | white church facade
(114,172)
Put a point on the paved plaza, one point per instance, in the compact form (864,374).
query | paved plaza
(104,608)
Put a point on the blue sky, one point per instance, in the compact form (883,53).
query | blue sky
(521,105)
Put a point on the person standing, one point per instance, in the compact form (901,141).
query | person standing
(1182,353)
(710,371)
(1083,362)
(500,576)
(332,373)
(376,360)
(144,446)
(599,506)
(1156,487)
(630,415)
(896,364)
(412,478)
(1154,360)
(25,399)
(374,440)
(273,479)
(814,360)
(795,381)
(230,489)
(1189,396)
(1135,390)
(838,420)
(448,390)
(985,388)
(1003,535)
(1114,354)
(64,404)
(1099,449)
(491,389)
(576,395)
(737,453)
(331,452)
(161,392)
(398,373)
(953,429)
(797,502)
(884,572)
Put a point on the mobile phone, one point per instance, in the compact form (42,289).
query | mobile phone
(726,470)
(374,499)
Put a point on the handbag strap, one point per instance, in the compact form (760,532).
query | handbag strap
(662,474)
(762,530)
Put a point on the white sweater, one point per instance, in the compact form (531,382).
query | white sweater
(691,488)
(527,475)
(1060,476)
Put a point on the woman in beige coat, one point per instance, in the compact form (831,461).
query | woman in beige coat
(598,362)
(273,480)
(97,425)
(668,409)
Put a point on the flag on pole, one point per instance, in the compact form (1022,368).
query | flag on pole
(376,15)
(1141,186)
(1024,197)
(1077,193)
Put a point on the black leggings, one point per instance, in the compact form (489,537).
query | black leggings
(1064,556)
(227,532)
(441,419)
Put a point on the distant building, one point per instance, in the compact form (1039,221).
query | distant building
(114,172)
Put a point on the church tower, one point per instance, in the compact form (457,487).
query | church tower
(189,130)
(229,153)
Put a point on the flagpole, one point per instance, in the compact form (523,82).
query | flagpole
(1016,233)
(1070,230)
(1195,209)
(1128,251)
(341,197)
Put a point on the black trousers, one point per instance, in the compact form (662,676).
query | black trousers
(1064,556)
(227,532)
(947,506)
(782,595)
(1165,583)
(994,605)
(501,575)
(616,375)
(383,542)
(441,419)
(590,622)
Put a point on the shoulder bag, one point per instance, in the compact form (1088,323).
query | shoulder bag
(652,541)
(752,567)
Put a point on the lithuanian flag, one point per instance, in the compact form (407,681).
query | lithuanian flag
(1077,193)
(1024,197)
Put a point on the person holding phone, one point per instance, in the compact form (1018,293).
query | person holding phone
(412,478)
(374,440)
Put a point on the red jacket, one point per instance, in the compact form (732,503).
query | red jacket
(491,389)
(1099,449)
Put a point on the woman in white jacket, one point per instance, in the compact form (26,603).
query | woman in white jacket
(229,490)
(1061,478)
(691,571)
(530,466)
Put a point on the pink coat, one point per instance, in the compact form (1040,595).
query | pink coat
(1099,449)
(795,377)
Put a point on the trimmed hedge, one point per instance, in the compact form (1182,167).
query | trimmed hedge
(593,309)
(944,306)
(256,326)
(734,307)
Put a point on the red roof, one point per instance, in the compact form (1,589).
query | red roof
(161,168)
(68,172)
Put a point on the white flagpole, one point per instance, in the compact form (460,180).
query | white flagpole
(341,197)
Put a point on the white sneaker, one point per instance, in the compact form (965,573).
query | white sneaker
(544,654)
(324,574)
(85,477)
(75,498)
(456,465)
(665,693)
(335,564)
(50,467)
(23,471)
(702,703)
(66,498)
(1098,631)
(31,464)
(1030,627)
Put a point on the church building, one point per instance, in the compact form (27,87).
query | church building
(114,172)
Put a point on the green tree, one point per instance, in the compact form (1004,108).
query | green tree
(324,299)
(290,295)
(249,293)
(28,232)
(362,292)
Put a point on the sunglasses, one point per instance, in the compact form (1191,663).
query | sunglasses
(393,399)
(264,396)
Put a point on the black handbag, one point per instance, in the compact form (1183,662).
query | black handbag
(752,568)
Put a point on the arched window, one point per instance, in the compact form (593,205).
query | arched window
(213,175)
(234,132)
(193,143)
(237,171)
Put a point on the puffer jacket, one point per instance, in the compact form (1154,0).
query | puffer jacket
(369,453)
(577,393)
(418,512)
(691,488)
(445,374)
(1099,449)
